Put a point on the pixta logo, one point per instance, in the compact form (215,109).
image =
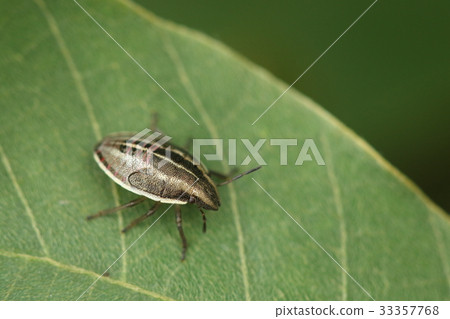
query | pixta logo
(307,151)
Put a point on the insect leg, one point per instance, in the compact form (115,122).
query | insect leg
(145,216)
(115,209)
(204,221)
(180,229)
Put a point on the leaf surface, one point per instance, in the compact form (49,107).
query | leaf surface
(353,229)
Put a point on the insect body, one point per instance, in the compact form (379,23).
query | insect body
(154,169)
(163,173)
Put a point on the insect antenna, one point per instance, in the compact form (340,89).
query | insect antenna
(239,176)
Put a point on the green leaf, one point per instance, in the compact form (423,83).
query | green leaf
(66,84)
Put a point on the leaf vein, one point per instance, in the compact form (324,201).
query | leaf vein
(78,79)
(173,54)
(82,271)
(23,199)
(441,249)
(340,212)
(13,284)
(50,287)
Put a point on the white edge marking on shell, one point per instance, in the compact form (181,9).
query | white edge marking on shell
(135,190)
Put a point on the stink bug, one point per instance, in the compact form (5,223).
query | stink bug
(160,171)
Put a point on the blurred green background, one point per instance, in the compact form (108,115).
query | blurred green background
(387,78)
